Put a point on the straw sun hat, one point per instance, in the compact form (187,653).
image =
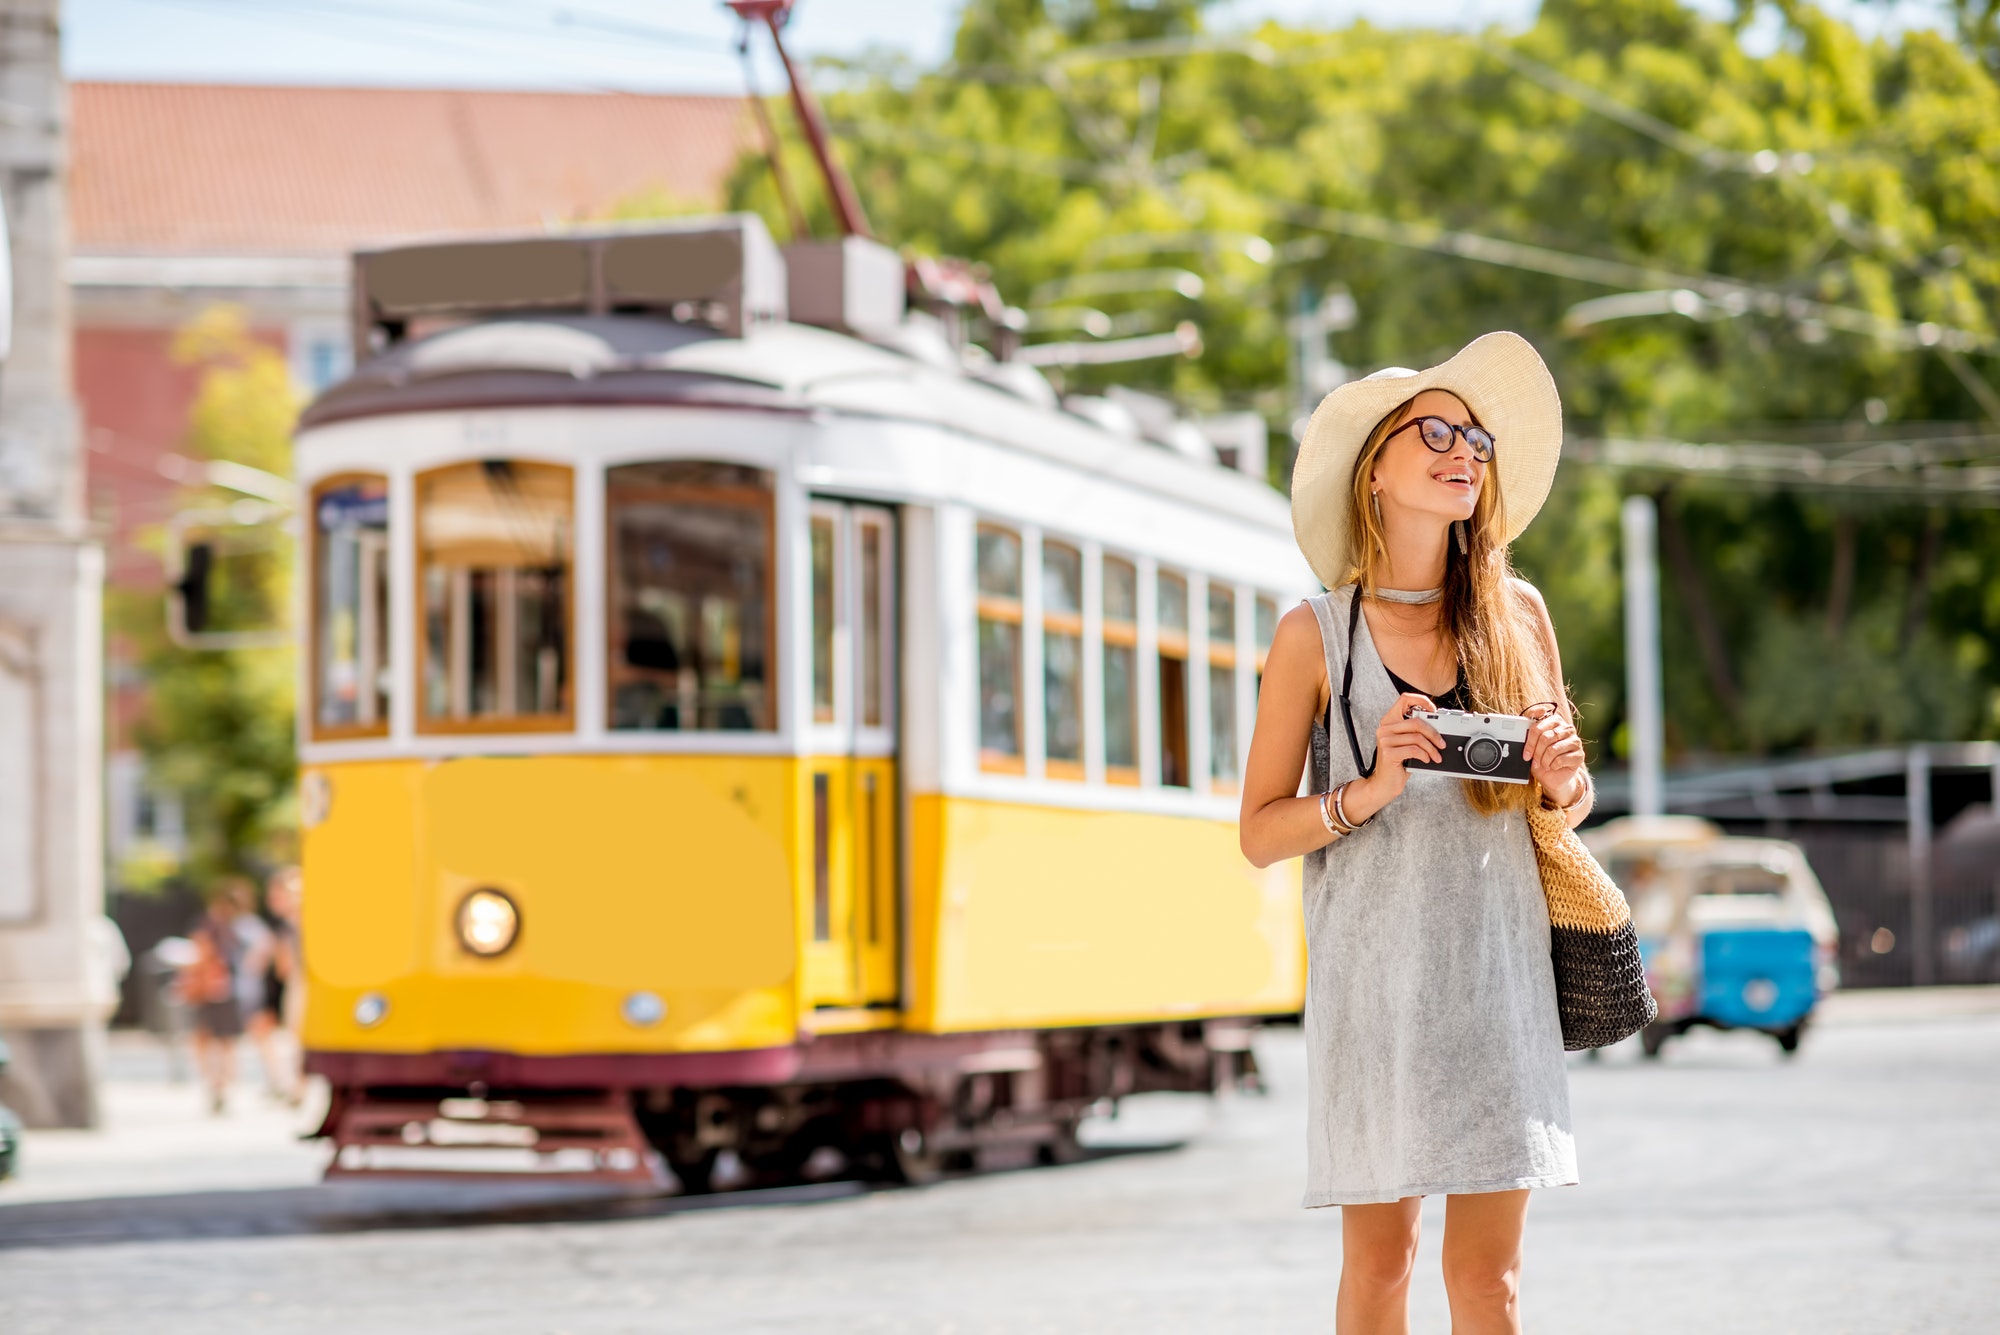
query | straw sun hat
(1500,377)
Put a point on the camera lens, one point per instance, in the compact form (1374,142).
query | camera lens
(1483,754)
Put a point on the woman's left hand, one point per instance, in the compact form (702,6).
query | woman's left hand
(1555,758)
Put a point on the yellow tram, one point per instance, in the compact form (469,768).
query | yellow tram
(736,721)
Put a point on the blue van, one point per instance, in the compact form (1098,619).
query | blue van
(1736,933)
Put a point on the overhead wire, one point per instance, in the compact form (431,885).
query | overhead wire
(1721,296)
(1439,239)
(1966,471)
(1133,165)
(1858,232)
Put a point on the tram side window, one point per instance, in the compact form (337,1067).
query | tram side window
(823,535)
(494,543)
(690,596)
(1121,671)
(876,581)
(351,607)
(999,562)
(1222,687)
(1062,660)
(1173,637)
(1266,630)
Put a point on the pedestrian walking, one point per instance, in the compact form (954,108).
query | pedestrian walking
(257,962)
(1435,1046)
(209,988)
(274,1025)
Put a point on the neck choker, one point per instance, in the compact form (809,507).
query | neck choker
(1410,596)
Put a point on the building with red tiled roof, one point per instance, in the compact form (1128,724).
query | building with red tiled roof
(185,196)
(210,169)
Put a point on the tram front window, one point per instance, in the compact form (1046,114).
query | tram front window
(350,628)
(690,596)
(494,546)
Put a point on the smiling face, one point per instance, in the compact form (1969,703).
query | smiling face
(1410,479)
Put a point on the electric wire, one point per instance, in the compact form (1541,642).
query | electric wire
(1436,238)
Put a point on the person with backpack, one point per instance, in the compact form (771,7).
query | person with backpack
(209,985)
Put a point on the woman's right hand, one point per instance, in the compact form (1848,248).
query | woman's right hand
(1398,738)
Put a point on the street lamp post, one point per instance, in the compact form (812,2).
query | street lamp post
(1643,712)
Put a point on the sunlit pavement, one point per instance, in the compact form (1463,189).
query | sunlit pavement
(1854,1189)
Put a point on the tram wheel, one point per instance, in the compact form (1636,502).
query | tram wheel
(910,1158)
(697,1175)
(1063,1147)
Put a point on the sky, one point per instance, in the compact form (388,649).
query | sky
(637,45)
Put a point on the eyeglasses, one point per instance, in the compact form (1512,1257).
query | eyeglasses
(1437,434)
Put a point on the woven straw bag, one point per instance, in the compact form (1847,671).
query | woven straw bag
(1600,979)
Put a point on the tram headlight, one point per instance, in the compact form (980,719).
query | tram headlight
(643,1009)
(371,1010)
(488,923)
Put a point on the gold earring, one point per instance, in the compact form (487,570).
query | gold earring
(1458,527)
(1376,498)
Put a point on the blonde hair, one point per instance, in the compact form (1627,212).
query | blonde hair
(1501,655)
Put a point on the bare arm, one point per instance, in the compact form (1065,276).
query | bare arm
(1554,749)
(1275,823)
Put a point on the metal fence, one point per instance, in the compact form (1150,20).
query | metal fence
(1903,839)
(1866,872)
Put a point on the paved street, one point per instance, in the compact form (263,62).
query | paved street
(1855,1189)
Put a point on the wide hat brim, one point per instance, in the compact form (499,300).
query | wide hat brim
(1504,382)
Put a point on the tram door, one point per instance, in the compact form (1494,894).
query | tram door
(851,777)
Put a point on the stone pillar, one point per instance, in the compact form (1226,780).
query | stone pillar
(55,985)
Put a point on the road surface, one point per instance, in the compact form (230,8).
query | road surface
(1853,1189)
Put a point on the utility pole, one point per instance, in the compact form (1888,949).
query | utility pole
(55,986)
(1643,712)
(1923,921)
(1315,371)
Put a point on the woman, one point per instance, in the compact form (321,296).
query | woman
(1435,1049)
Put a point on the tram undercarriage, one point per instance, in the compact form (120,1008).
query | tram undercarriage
(881,1106)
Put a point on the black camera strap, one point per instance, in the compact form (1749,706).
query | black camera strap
(1366,767)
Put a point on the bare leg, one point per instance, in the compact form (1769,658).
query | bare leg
(211,1055)
(1482,1261)
(273,1051)
(1378,1250)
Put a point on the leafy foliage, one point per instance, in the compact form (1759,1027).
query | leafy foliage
(218,725)
(1089,137)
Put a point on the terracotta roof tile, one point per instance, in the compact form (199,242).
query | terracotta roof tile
(229,169)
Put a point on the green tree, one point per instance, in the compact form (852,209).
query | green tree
(1459,182)
(218,725)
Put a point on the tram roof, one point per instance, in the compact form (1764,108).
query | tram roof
(633,360)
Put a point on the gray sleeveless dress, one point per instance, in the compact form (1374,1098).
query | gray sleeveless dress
(1435,1057)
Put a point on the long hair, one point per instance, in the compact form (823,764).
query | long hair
(1501,656)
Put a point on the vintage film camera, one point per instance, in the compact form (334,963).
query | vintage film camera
(1476,746)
